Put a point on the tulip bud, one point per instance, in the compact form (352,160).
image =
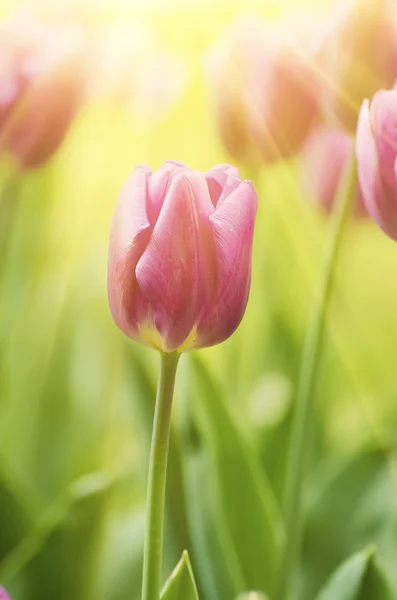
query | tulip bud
(180,255)
(3,594)
(324,159)
(359,56)
(376,149)
(264,92)
(41,87)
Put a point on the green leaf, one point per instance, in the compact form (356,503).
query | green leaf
(353,509)
(120,571)
(216,561)
(52,559)
(181,584)
(245,497)
(359,578)
(15,517)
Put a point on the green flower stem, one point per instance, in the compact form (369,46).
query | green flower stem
(157,478)
(303,410)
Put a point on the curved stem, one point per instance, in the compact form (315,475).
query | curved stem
(157,478)
(303,409)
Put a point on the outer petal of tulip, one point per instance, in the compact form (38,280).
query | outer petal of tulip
(379,193)
(129,236)
(233,229)
(159,183)
(383,117)
(170,270)
(3,594)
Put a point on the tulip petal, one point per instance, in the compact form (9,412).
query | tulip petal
(233,228)
(218,177)
(379,196)
(3,594)
(168,271)
(200,192)
(159,184)
(129,236)
(383,116)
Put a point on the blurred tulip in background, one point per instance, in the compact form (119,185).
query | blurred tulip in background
(377,158)
(358,56)
(43,71)
(180,255)
(324,158)
(264,90)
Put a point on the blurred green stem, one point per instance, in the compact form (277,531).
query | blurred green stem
(157,477)
(303,410)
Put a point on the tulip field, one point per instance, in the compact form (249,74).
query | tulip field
(198,292)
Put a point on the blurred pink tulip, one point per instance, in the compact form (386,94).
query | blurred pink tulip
(180,255)
(264,91)
(324,158)
(376,149)
(42,78)
(358,57)
(3,594)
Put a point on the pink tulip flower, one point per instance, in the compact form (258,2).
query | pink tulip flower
(376,149)
(3,594)
(41,86)
(264,91)
(324,158)
(180,255)
(358,57)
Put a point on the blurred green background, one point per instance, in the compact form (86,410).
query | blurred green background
(76,396)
